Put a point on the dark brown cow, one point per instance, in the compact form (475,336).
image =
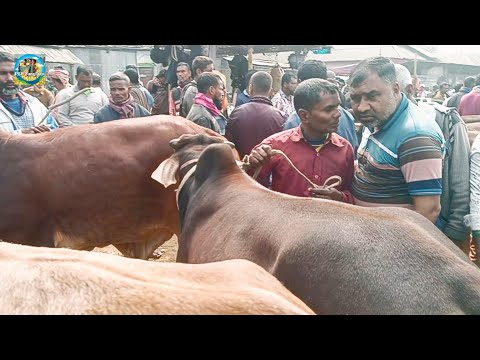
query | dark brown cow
(89,186)
(338,258)
(63,281)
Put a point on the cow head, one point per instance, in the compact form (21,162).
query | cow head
(187,147)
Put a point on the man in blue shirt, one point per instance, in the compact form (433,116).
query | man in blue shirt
(312,69)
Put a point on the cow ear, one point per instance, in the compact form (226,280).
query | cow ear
(166,172)
(174,143)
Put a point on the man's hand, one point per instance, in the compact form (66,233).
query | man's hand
(36,129)
(329,194)
(260,156)
(475,250)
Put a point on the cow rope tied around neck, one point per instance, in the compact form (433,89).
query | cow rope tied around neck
(246,164)
(186,177)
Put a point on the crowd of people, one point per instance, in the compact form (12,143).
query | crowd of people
(400,154)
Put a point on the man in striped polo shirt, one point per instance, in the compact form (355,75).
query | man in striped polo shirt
(400,155)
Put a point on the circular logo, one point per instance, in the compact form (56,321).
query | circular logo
(30,69)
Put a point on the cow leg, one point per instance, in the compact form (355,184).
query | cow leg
(144,250)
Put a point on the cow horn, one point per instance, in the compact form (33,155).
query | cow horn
(166,172)
(230,143)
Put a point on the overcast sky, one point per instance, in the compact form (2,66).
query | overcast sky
(452,49)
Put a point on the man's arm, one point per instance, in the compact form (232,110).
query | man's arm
(63,111)
(188,99)
(428,206)
(205,122)
(50,100)
(420,160)
(261,156)
(150,100)
(468,119)
(97,117)
(142,111)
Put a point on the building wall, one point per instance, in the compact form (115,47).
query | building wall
(69,67)
(105,62)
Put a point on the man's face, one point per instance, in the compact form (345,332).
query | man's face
(84,81)
(324,118)
(7,73)
(218,93)
(57,83)
(183,73)
(119,90)
(444,89)
(374,101)
(289,88)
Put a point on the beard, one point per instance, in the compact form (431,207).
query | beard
(218,103)
(10,92)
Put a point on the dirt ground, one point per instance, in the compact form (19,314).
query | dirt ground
(166,253)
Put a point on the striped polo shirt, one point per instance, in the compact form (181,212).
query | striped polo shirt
(401,160)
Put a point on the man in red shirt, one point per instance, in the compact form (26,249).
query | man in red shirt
(313,147)
(470,103)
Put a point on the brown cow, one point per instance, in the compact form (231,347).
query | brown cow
(473,131)
(338,258)
(63,281)
(473,126)
(88,186)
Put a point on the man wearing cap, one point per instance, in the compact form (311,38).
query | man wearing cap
(60,78)
(405,81)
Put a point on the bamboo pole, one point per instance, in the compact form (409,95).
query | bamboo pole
(60,104)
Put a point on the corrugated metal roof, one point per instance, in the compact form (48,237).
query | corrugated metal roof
(63,56)
(107,47)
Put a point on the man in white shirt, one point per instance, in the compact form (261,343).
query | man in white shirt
(81,109)
(283,100)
